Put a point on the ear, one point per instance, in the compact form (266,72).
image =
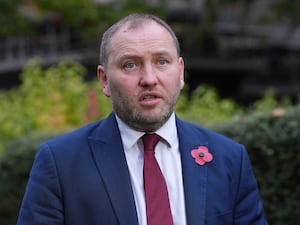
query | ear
(102,77)
(181,68)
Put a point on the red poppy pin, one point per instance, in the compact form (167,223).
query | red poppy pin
(201,155)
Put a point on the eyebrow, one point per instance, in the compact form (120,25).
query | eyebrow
(129,55)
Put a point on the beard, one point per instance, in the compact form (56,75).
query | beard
(140,119)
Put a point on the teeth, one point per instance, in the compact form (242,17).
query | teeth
(148,97)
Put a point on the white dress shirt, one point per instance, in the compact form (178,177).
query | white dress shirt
(168,157)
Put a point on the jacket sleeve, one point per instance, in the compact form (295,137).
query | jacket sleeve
(248,208)
(42,202)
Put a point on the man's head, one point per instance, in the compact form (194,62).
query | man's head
(132,21)
(141,70)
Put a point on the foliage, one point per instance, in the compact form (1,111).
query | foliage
(205,106)
(287,9)
(272,140)
(52,99)
(269,101)
(12,21)
(75,13)
(15,165)
(58,99)
(90,19)
(86,18)
(137,6)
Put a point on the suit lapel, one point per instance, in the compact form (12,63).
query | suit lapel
(107,149)
(194,176)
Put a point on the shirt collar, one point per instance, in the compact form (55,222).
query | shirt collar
(130,136)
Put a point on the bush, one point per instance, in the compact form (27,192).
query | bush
(15,164)
(52,99)
(273,142)
(58,99)
(204,106)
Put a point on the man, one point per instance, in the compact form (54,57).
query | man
(94,175)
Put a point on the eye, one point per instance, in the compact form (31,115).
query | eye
(129,65)
(162,62)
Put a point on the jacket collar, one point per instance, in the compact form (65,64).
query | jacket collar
(108,153)
(194,176)
(113,169)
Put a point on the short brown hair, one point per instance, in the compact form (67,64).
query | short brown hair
(133,21)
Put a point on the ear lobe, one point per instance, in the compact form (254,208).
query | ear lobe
(181,83)
(102,77)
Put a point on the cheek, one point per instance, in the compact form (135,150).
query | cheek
(125,87)
(175,80)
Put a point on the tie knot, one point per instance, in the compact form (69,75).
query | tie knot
(150,141)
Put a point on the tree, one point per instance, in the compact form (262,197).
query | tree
(12,21)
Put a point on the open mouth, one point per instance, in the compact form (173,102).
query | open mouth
(149,97)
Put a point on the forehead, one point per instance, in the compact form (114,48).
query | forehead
(149,34)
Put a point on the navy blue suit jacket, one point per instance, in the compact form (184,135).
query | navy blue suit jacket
(82,178)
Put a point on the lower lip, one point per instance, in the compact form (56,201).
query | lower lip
(150,102)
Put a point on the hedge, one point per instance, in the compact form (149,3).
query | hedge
(272,140)
(15,164)
(273,143)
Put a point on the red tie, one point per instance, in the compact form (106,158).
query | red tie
(156,193)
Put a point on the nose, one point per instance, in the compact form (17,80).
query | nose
(148,76)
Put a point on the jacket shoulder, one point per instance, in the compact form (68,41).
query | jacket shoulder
(199,132)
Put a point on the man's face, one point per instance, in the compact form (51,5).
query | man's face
(144,76)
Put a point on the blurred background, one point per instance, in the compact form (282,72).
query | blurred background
(242,61)
(241,47)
